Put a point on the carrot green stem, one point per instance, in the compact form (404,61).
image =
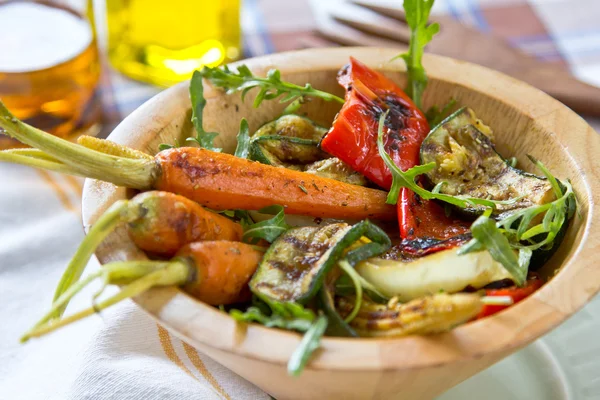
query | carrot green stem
(139,277)
(32,153)
(105,224)
(38,162)
(123,171)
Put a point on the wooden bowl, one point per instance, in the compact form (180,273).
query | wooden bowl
(526,121)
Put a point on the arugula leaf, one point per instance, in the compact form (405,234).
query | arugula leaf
(484,230)
(243,140)
(203,139)
(290,320)
(290,316)
(421,33)
(269,229)
(435,115)
(270,88)
(516,230)
(310,342)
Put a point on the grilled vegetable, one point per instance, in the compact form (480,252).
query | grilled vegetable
(445,270)
(353,136)
(430,314)
(467,164)
(290,139)
(215,272)
(216,180)
(353,139)
(296,264)
(334,168)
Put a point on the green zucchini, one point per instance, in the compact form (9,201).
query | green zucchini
(295,266)
(288,140)
(467,164)
(442,271)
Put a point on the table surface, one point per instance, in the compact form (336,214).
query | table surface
(40,224)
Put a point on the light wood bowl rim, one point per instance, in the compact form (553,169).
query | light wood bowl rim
(511,329)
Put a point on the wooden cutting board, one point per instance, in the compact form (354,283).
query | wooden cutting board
(380,23)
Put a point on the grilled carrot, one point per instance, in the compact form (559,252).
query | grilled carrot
(158,222)
(219,181)
(215,272)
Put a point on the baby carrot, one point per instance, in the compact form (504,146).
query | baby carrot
(219,181)
(158,222)
(215,272)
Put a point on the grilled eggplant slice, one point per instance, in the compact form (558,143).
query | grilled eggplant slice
(288,141)
(295,266)
(467,163)
(445,270)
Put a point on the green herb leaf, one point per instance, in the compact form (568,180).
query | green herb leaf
(484,230)
(243,140)
(275,320)
(516,230)
(203,139)
(435,116)
(289,316)
(269,229)
(270,87)
(310,342)
(355,278)
(293,106)
(421,33)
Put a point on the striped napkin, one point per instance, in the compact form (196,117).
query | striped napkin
(122,354)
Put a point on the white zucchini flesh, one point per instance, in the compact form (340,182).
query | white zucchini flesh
(443,271)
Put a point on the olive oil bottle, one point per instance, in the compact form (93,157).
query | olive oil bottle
(163,42)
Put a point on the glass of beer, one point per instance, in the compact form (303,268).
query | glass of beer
(49,66)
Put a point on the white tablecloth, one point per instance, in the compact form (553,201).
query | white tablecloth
(122,354)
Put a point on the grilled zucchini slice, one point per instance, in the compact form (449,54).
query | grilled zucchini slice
(467,163)
(294,267)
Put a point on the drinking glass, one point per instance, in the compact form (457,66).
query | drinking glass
(49,67)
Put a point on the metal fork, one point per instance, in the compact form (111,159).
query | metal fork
(382,23)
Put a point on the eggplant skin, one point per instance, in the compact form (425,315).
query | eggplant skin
(467,161)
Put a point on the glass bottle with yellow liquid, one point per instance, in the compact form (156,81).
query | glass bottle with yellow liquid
(163,42)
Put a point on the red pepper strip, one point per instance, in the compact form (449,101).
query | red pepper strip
(422,218)
(514,292)
(353,139)
(419,247)
(353,136)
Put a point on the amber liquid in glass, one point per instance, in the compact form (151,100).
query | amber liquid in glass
(49,68)
(163,42)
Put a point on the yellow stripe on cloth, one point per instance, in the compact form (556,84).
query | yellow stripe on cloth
(199,364)
(167,345)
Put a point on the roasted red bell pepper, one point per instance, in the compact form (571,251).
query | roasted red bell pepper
(353,136)
(353,139)
(514,292)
